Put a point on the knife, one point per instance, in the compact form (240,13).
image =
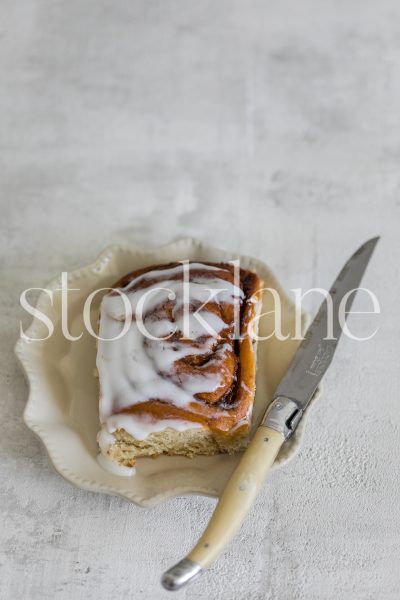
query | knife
(282,416)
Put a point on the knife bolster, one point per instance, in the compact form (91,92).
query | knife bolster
(282,415)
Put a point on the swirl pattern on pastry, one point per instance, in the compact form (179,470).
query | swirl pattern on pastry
(186,353)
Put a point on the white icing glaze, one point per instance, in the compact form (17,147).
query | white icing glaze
(139,427)
(105,439)
(136,367)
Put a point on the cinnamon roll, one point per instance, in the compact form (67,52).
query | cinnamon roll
(176,361)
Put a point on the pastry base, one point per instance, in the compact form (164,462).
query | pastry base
(189,443)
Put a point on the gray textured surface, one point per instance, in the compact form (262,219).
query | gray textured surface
(271,128)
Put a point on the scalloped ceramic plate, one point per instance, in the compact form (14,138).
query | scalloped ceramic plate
(62,405)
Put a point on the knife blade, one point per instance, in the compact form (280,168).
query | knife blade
(315,353)
(289,402)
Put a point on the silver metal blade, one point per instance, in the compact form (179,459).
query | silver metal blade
(315,353)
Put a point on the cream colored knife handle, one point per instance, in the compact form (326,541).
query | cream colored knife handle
(232,508)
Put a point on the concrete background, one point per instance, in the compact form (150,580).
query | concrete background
(270,128)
